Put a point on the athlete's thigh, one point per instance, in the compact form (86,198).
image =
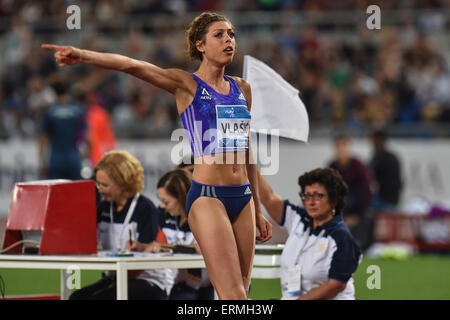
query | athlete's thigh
(244,228)
(212,229)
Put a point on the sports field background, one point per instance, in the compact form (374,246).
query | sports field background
(424,276)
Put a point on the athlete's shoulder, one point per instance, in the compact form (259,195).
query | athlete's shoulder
(184,81)
(245,87)
(182,76)
(243,84)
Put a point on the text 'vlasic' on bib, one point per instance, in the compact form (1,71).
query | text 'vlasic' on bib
(233,124)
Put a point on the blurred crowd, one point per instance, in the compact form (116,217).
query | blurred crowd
(370,79)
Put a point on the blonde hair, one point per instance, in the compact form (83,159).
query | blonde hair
(124,169)
(198,29)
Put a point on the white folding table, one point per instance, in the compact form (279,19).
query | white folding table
(101,262)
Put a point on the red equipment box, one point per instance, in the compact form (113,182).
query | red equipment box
(62,212)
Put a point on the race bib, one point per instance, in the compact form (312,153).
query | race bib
(233,124)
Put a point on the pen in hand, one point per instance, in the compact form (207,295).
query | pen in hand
(130,233)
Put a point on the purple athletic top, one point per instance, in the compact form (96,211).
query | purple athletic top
(217,122)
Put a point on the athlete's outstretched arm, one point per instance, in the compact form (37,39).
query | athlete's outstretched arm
(167,79)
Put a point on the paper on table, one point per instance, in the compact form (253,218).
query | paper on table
(136,254)
(151,254)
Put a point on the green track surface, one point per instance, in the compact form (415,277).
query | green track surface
(32,282)
(418,277)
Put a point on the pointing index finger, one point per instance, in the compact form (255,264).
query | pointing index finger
(51,46)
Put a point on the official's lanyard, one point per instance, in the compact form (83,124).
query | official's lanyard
(177,240)
(125,222)
(305,240)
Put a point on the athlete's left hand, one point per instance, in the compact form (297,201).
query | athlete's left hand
(264,227)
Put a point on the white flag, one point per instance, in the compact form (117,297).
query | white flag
(275,103)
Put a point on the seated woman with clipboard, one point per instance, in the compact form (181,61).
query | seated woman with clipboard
(190,284)
(124,214)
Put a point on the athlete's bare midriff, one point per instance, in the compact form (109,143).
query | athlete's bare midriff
(221,169)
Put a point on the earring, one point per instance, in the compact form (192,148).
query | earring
(333,212)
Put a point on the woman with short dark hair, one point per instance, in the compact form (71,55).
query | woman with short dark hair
(320,254)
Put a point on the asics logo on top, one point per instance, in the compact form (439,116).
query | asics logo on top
(205,95)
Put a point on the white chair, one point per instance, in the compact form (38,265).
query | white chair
(267,265)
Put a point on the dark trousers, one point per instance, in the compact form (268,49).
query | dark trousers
(182,291)
(105,289)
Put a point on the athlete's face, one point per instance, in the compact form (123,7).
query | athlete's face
(316,201)
(169,203)
(219,44)
(107,187)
